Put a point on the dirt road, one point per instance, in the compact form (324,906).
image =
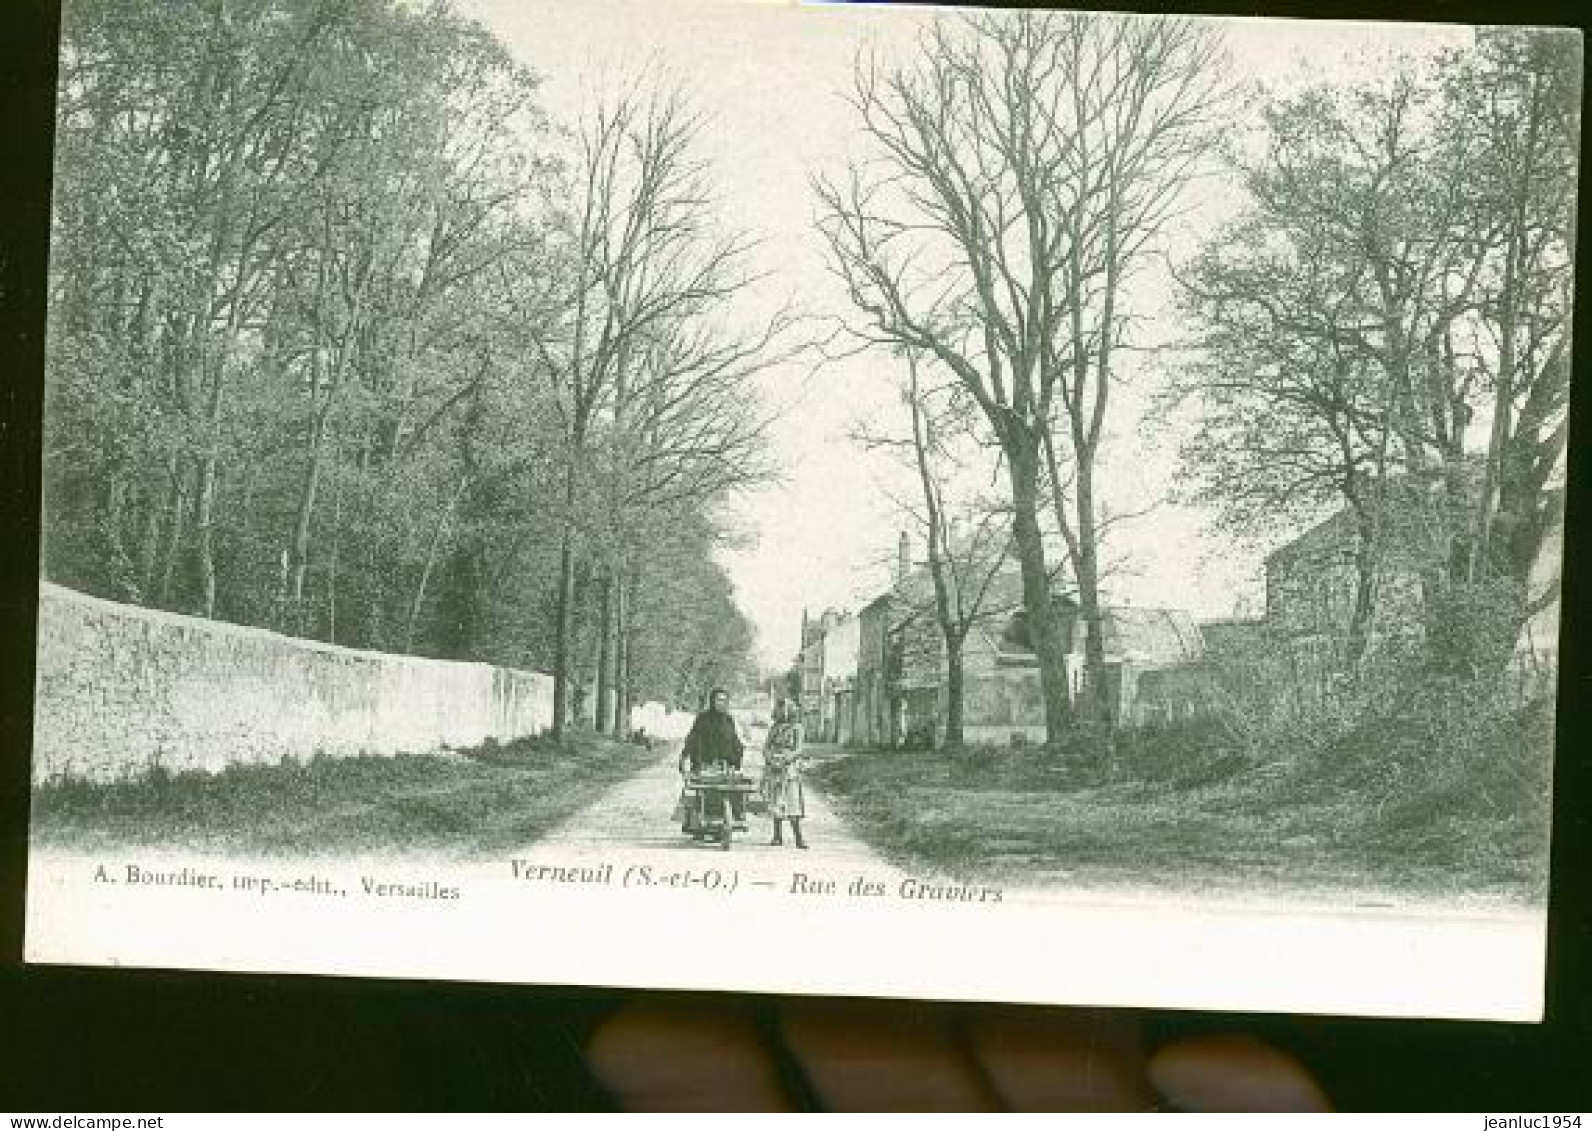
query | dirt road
(635,815)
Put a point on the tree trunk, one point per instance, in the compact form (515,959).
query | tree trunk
(1088,566)
(178,509)
(628,597)
(587,644)
(1527,508)
(299,548)
(204,533)
(209,469)
(149,541)
(1359,639)
(954,692)
(444,520)
(337,530)
(605,654)
(1508,348)
(1022,463)
(461,604)
(562,644)
(950,620)
(122,572)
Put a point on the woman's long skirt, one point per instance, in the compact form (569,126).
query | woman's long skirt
(783,794)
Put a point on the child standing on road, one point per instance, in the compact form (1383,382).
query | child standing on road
(783,762)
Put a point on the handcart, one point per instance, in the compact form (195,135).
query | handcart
(707,800)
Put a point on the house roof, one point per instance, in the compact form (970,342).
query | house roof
(1411,517)
(1013,635)
(882,599)
(1231,633)
(913,597)
(1163,636)
(1138,635)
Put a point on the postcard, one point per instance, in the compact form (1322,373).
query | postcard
(1011,506)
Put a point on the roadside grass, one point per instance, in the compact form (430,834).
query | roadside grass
(1186,809)
(458,804)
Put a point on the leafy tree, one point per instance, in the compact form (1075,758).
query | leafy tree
(1398,285)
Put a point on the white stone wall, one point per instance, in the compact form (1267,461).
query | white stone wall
(659,721)
(122,689)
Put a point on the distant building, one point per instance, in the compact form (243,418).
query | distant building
(873,717)
(842,644)
(828,667)
(1312,584)
(1232,635)
(810,672)
(898,693)
(1150,671)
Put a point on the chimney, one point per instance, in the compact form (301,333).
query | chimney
(903,558)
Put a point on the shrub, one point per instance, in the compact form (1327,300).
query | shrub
(1182,753)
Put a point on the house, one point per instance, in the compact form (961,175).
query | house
(810,671)
(1150,670)
(1232,635)
(828,669)
(873,716)
(841,644)
(1312,583)
(900,695)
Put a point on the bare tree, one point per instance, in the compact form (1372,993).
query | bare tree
(685,431)
(968,547)
(645,258)
(1025,167)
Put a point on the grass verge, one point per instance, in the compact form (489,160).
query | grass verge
(1184,812)
(459,804)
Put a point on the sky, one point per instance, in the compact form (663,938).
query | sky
(770,76)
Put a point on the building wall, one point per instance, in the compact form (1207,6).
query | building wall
(812,697)
(871,726)
(829,670)
(845,717)
(842,644)
(922,650)
(1314,596)
(122,689)
(1164,695)
(1002,705)
(1311,584)
(902,697)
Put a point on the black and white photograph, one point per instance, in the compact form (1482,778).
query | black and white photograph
(879,501)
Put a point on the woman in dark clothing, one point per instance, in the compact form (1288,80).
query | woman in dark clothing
(713,740)
(714,743)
